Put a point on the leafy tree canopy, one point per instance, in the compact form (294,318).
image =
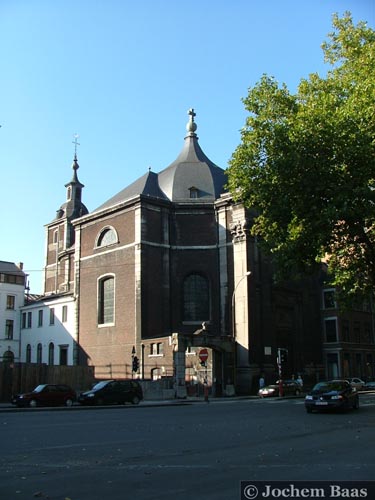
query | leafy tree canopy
(306,163)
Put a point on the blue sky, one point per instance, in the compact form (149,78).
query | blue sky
(122,74)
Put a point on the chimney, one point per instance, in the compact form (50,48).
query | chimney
(20,265)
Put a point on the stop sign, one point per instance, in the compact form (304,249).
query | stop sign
(203,354)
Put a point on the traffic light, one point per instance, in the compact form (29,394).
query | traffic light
(283,355)
(135,364)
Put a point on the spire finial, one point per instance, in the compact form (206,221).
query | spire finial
(191,126)
(76,143)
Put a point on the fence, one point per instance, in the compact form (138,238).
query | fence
(24,377)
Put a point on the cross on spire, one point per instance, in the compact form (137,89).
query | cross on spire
(191,113)
(76,143)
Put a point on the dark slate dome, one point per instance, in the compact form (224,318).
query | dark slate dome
(192,176)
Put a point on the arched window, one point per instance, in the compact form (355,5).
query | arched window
(39,353)
(51,353)
(108,236)
(196,298)
(8,356)
(28,353)
(106,300)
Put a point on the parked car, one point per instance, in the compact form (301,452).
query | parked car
(290,388)
(113,392)
(334,394)
(356,382)
(46,395)
(369,386)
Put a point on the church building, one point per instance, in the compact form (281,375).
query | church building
(168,282)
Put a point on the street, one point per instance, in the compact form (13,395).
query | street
(192,451)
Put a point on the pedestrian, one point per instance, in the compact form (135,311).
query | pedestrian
(299,380)
(261,382)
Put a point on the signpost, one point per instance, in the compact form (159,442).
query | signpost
(203,356)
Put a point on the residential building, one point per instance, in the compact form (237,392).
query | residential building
(48,332)
(12,293)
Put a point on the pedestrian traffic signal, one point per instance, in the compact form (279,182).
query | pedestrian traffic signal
(135,364)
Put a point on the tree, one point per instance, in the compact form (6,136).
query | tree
(306,164)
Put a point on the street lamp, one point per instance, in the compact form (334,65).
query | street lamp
(234,324)
(233,303)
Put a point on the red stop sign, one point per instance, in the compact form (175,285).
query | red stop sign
(203,354)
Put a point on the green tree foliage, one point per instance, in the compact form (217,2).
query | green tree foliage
(306,163)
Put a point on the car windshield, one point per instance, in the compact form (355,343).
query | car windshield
(100,385)
(39,388)
(328,386)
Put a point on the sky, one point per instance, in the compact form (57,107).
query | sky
(122,74)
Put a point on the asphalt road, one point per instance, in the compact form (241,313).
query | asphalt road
(195,451)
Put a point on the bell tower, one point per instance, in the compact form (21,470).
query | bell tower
(60,236)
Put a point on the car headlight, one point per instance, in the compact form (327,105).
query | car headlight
(338,396)
(91,395)
(308,398)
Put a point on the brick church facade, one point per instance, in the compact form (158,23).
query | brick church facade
(167,267)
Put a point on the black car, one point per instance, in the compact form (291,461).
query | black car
(46,395)
(289,387)
(113,392)
(334,394)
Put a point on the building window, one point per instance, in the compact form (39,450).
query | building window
(330,325)
(357,332)
(51,353)
(8,356)
(106,300)
(329,299)
(63,355)
(64,314)
(11,301)
(28,353)
(196,298)
(345,331)
(9,325)
(333,365)
(52,316)
(29,319)
(193,192)
(108,236)
(39,353)
(156,374)
(24,316)
(157,349)
(40,317)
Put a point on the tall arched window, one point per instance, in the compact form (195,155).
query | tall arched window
(51,353)
(106,300)
(39,353)
(196,298)
(28,353)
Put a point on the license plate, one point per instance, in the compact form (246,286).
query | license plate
(321,403)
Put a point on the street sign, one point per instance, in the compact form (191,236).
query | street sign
(203,354)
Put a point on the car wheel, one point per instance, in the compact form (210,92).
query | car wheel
(356,404)
(135,400)
(298,392)
(100,402)
(69,402)
(33,403)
